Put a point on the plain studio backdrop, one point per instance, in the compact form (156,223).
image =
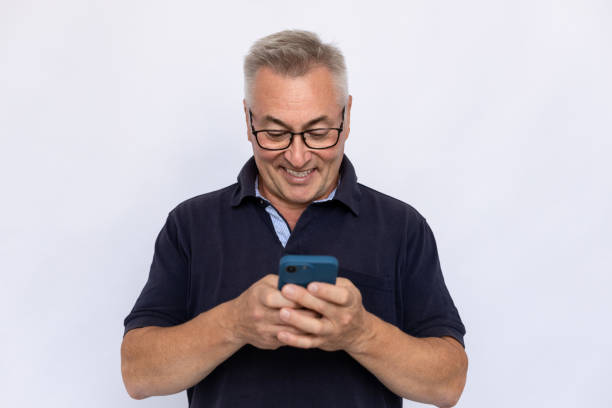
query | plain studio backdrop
(492,118)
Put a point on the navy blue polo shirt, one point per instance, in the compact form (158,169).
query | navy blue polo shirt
(214,246)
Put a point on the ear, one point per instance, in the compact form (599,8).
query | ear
(347,122)
(246,119)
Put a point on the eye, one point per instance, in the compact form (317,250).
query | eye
(275,133)
(318,132)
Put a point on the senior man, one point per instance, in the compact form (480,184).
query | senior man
(210,319)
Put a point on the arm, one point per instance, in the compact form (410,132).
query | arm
(167,360)
(430,370)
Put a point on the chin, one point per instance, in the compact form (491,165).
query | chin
(300,198)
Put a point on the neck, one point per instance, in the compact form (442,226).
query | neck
(291,212)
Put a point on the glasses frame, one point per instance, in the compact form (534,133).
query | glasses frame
(303,134)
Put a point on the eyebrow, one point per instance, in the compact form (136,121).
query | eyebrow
(308,124)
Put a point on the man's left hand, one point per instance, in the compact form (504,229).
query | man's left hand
(343,323)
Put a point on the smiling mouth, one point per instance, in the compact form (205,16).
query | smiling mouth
(300,174)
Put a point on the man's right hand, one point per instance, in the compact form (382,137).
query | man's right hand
(256,314)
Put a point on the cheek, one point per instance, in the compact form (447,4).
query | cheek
(266,158)
(332,158)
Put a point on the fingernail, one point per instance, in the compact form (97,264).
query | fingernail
(284,314)
(314,287)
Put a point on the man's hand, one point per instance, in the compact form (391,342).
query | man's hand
(256,314)
(342,323)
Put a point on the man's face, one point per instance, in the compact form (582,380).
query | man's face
(297,104)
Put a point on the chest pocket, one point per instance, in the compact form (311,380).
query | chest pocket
(377,293)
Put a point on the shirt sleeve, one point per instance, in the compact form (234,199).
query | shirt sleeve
(428,309)
(163,300)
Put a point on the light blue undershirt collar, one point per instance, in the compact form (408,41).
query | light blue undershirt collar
(280,225)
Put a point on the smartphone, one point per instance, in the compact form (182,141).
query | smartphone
(303,269)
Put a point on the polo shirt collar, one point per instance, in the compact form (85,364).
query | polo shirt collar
(347,191)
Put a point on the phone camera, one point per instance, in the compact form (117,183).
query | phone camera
(291,268)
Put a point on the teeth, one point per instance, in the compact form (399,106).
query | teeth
(299,173)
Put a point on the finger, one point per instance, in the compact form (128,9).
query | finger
(305,312)
(270,279)
(305,322)
(300,295)
(272,298)
(276,328)
(340,295)
(300,341)
(300,310)
(309,313)
(270,318)
(341,281)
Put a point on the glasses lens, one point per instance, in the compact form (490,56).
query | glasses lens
(271,139)
(321,138)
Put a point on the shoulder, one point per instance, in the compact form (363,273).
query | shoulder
(203,205)
(391,208)
(398,223)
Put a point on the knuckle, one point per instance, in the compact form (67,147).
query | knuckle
(358,297)
(346,319)
(343,282)
(259,331)
(257,314)
(268,299)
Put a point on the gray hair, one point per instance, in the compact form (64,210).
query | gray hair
(294,53)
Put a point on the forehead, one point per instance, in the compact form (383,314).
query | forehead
(314,91)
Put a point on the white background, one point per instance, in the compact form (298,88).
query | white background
(492,118)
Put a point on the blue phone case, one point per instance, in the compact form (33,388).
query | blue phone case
(303,269)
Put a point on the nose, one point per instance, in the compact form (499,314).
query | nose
(298,153)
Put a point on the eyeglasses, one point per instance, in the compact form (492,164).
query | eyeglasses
(280,139)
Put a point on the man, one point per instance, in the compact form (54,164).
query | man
(210,318)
